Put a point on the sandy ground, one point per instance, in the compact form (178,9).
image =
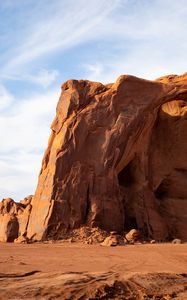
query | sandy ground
(77,271)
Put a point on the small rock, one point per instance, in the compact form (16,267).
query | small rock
(152,242)
(90,241)
(132,235)
(113,233)
(138,243)
(70,240)
(21,240)
(176,241)
(110,241)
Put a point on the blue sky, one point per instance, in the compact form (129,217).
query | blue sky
(43,43)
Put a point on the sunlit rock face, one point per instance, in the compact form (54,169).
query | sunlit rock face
(116,159)
(14,218)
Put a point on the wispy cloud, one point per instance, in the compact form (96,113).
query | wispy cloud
(5,98)
(39,30)
(44,42)
(67,23)
(43,78)
(24,134)
(94,71)
(146,39)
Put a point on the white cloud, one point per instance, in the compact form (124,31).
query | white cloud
(94,71)
(147,38)
(43,78)
(148,32)
(18,174)
(24,133)
(25,126)
(70,23)
(143,38)
(5,98)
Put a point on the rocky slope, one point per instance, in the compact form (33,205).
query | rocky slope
(116,159)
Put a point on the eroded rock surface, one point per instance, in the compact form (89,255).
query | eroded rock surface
(116,159)
(84,285)
(14,218)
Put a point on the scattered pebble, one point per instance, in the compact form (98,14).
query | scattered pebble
(152,242)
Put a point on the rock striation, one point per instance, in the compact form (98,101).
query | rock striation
(116,159)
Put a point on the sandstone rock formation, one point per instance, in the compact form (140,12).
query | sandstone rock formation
(116,159)
(14,218)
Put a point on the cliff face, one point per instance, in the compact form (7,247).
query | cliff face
(116,158)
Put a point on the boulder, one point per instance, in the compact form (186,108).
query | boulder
(132,236)
(110,241)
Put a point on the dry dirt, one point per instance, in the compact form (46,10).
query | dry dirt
(76,271)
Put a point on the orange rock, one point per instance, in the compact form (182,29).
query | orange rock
(13,218)
(132,235)
(21,240)
(110,241)
(9,227)
(116,159)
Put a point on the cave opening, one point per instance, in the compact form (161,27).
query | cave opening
(125,176)
(162,190)
(12,230)
(126,180)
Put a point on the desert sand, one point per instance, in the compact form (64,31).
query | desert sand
(62,270)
